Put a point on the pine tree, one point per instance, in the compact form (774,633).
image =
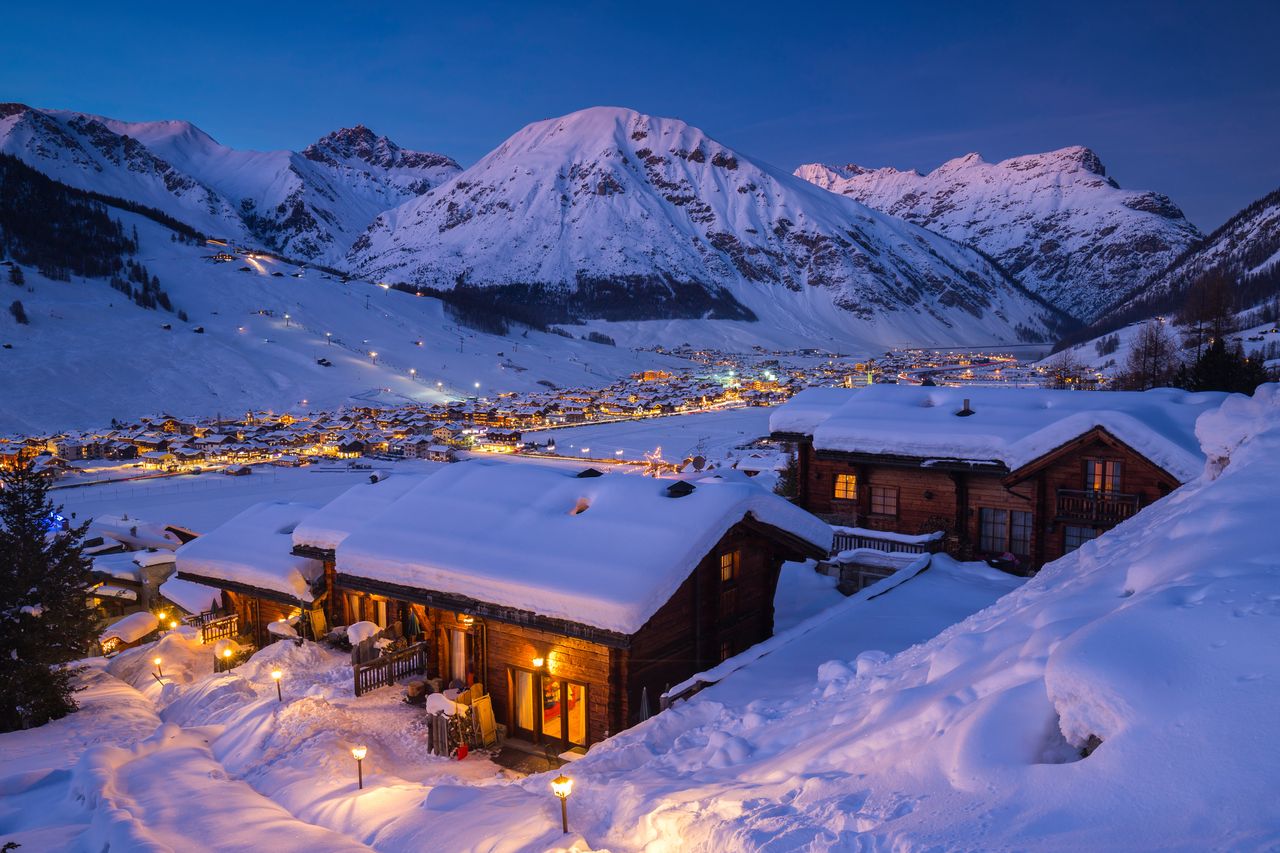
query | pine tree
(1220,369)
(19,313)
(788,485)
(44,620)
(16,276)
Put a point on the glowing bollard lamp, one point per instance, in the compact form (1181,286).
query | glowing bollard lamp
(276,675)
(562,786)
(358,753)
(159,672)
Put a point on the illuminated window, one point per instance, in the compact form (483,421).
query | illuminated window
(884,500)
(846,487)
(1102,475)
(729,565)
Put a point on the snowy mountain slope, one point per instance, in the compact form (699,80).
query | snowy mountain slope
(310,204)
(91,354)
(1054,221)
(607,213)
(1247,245)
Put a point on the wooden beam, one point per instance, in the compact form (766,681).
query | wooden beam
(483,609)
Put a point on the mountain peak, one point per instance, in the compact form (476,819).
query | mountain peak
(359,143)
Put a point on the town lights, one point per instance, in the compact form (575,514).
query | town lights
(159,672)
(276,675)
(562,787)
(358,753)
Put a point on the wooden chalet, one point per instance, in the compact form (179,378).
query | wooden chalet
(575,600)
(1016,476)
(248,558)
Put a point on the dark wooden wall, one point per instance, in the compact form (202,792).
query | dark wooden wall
(930,500)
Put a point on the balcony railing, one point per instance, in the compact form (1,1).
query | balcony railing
(1099,508)
(848,538)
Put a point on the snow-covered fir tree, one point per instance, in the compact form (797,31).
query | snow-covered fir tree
(44,620)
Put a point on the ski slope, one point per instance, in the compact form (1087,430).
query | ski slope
(90,355)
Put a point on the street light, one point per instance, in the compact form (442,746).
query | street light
(562,787)
(159,672)
(413,374)
(358,753)
(173,624)
(276,675)
(373,356)
(329,337)
(286,321)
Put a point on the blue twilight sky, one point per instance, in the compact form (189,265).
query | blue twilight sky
(1179,97)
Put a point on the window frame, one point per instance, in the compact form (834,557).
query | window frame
(878,495)
(1103,476)
(849,481)
(734,566)
(1009,521)
(1067,537)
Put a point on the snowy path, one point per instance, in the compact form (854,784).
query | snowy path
(169,791)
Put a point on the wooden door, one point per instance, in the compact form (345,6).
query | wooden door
(524,704)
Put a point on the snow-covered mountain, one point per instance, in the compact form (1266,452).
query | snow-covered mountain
(1246,246)
(89,354)
(1054,221)
(608,213)
(310,204)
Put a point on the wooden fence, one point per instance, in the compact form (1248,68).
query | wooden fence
(221,628)
(201,619)
(388,669)
(845,541)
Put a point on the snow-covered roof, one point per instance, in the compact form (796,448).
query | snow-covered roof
(133,627)
(253,549)
(1013,426)
(604,551)
(190,596)
(328,526)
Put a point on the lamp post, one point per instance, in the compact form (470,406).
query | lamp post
(286,321)
(413,374)
(329,338)
(562,786)
(358,753)
(373,356)
(276,675)
(159,671)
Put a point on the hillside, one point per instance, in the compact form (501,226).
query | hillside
(309,205)
(90,353)
(612,215)
(1054,221)
(1246,249)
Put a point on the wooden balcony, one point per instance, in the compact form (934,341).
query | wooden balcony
(1101,509)
(848,538)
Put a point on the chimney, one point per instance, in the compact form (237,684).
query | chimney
(966,411)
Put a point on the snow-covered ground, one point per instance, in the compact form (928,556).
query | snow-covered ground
(710,434)
(201,502)
(888,722)
(89,354)
(1253,340)
(152,766)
